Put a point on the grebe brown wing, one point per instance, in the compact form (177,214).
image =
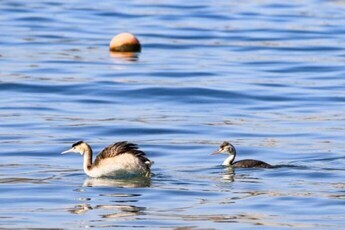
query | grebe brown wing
(119,148)
(249,163)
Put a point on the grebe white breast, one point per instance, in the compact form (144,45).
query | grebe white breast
(228,148)
(118,159)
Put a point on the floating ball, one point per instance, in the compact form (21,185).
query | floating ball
(125,42)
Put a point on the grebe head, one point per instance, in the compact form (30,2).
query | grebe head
(226,148)
(78,147)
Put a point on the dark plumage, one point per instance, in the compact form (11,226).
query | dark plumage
(249,163)
(77,143)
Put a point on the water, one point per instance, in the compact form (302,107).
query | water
(267,76)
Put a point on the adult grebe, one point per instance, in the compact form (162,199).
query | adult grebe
(228,148)
(120,158)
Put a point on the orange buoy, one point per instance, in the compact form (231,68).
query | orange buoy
(125,42)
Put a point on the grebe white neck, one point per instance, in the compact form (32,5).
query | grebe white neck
(228,161)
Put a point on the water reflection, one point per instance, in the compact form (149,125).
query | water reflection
(80,209)
(128,56)
(117,210)
(122,210)
(136,182)
(250,218)
(229,174)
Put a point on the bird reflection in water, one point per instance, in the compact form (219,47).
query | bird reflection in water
(229,174)
(119,210)
(125,210)
(133,182)
(80,209)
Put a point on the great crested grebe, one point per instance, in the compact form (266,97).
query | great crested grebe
(228,148)
(118,159)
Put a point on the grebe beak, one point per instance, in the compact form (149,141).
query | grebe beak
(216,152)
(68,151)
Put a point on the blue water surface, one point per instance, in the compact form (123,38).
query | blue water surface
(264,75)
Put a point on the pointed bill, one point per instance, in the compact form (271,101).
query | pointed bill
(68,151)
(216,152)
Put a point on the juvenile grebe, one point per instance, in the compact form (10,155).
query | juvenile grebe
(228,148)
(120,158)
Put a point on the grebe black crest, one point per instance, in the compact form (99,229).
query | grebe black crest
(228,148)
(120,158)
